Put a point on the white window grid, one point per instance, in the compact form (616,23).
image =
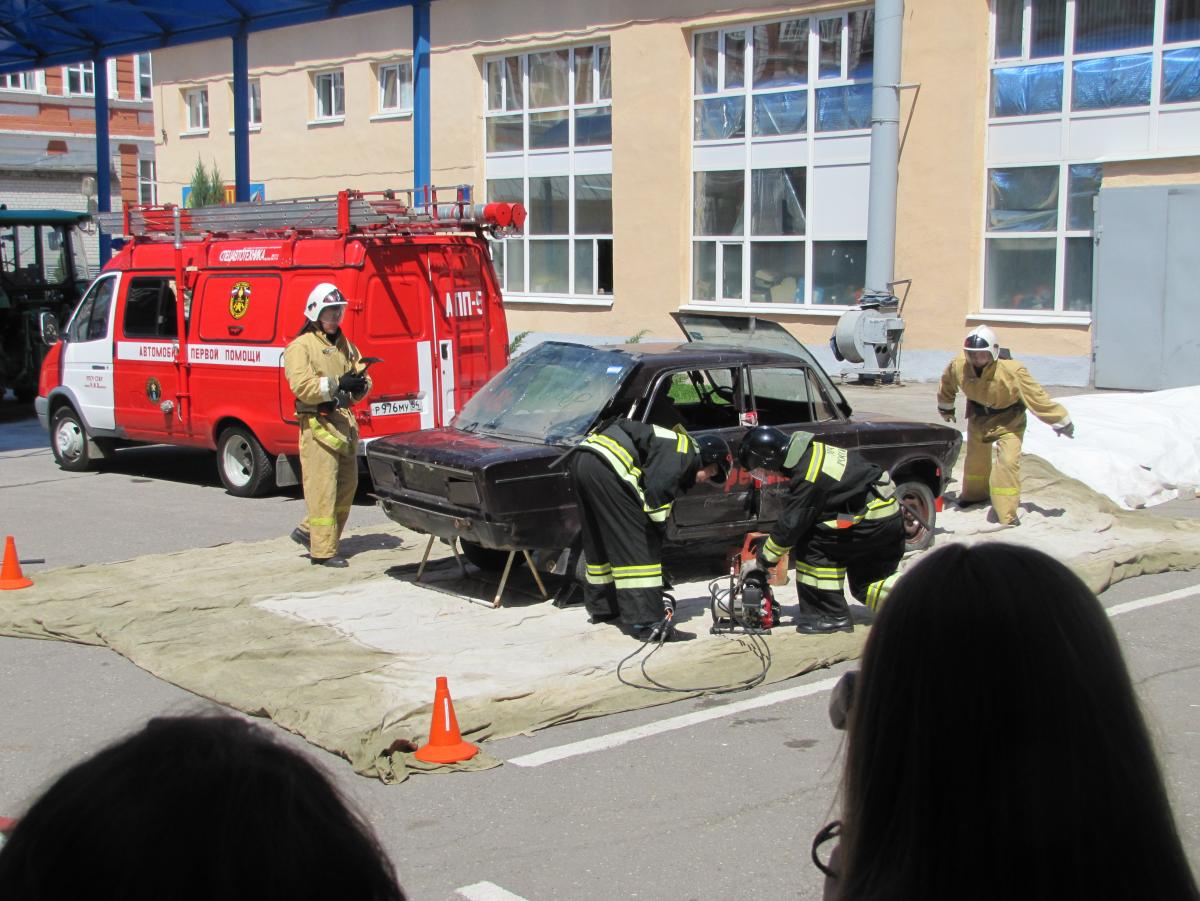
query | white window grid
(519,64)
(29,82)
(804,144)
(401,75)
(195,103)
(1060,234)
(505,65)
(253,103)
(79,80)
(143,77)
(147,182)
(329,95)
(1156,48)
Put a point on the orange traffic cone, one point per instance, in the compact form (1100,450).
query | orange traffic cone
(10,571)
(445,741)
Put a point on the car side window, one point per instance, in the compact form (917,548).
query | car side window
(91,320)
(150,308)
(786,394)
(696,399)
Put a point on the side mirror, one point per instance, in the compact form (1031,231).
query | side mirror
(48,326)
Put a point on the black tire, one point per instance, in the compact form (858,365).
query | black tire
(244,467)
(917,497)
(486,558)
(24,395)
(69,441)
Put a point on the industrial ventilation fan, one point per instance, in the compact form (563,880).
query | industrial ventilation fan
(870,336)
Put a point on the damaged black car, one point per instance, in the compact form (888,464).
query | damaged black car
(496,479)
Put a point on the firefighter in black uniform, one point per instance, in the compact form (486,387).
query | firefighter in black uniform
(842,511)
(626,478)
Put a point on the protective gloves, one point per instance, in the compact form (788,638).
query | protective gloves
(948,415)
(1067,429)
(352,383)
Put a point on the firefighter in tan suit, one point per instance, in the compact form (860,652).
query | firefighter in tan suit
(998,393)
(323,371)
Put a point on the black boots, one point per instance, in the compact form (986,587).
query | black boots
(335,562)
(823,624)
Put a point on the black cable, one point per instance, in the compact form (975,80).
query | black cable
(758,647)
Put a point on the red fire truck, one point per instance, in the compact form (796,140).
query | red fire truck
(142,361)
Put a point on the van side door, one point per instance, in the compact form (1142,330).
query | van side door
(147,379)
(88,354)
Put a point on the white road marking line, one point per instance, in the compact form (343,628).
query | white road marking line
(1118,609)
(614,739)
(486,891)
(625,736)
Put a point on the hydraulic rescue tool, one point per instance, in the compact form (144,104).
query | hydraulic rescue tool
(747,605)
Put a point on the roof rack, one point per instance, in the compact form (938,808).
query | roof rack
(347,212)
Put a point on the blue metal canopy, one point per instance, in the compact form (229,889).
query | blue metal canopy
(35,34)
(39,33)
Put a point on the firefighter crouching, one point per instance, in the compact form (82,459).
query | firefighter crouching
(998,392)
(626,478)
(841,514)
(322,369)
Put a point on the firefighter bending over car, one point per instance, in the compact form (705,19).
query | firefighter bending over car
(323,371)
(998,392)
(840,513)
(626,478)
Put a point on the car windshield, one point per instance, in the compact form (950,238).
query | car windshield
(551,395)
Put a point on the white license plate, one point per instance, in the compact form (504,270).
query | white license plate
(394,407)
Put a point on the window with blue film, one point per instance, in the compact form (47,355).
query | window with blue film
(780,114)
(720,117)
(1027,90)
(844,108)
(1023,199)
(1110,82)
(1181,75)
(1083,183)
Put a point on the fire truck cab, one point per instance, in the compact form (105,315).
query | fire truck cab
(180,339)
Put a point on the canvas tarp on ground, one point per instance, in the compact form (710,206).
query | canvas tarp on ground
(347,658)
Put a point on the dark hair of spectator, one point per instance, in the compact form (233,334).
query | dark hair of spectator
(200,807)
(996,747)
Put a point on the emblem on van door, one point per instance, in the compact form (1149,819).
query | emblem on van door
(153,390)
(239,300)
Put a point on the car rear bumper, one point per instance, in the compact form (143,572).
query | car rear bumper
(543,529)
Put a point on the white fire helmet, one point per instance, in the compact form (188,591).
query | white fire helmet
(321,297)
(982,339)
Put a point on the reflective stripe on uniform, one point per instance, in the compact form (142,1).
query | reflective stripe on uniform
(659,514)
(772,551)
(599,574)
(622,464)
(877,592)
(321,521)
(827,578)
(648,575)
(876,509)
(1006,492)
(976,478)
(815,462)
(331,440)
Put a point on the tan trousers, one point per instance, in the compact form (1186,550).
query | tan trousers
(999,479)
(330,481)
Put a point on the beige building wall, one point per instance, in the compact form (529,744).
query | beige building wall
(942,184)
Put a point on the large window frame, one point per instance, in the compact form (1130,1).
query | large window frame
(25,82)
(548,144)
(1161,49)
(143,77)
(1032,39)
(396,79)
(147,182)
(777,110)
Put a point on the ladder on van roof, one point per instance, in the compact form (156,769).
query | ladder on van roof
(407,211)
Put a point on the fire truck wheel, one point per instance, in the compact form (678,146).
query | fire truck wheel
(69,441)
(486,558)
(244,466)
(918,497)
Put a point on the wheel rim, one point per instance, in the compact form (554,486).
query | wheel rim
(68,438)
(913,502)
(237,461)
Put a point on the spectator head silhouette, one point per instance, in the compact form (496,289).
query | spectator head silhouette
(198,807)
(996,748)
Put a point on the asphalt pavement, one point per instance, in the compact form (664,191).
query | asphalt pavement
(713,797)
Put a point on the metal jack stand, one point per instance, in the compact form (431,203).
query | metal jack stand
(503,578)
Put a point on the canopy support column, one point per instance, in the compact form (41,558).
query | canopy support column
(103,153)
(241,118)
(421,154)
